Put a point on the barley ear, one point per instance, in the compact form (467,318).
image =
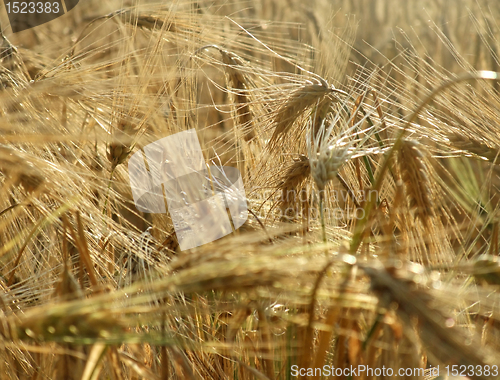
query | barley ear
(415,175)
(296,173)
(119,148)
(477,147)
(295,105)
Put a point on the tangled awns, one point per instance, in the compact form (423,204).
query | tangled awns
(367,136)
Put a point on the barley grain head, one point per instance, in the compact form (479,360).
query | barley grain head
(415,175)
(294,106)
(476,147)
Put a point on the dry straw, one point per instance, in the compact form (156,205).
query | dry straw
(235,68)
(19,168)
(79,300)
(397,290)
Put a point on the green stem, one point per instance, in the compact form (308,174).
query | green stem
(322,215)
(105,208)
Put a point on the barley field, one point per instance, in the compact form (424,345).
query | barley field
(367,136)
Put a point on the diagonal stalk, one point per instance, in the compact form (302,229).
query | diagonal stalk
(360,226)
